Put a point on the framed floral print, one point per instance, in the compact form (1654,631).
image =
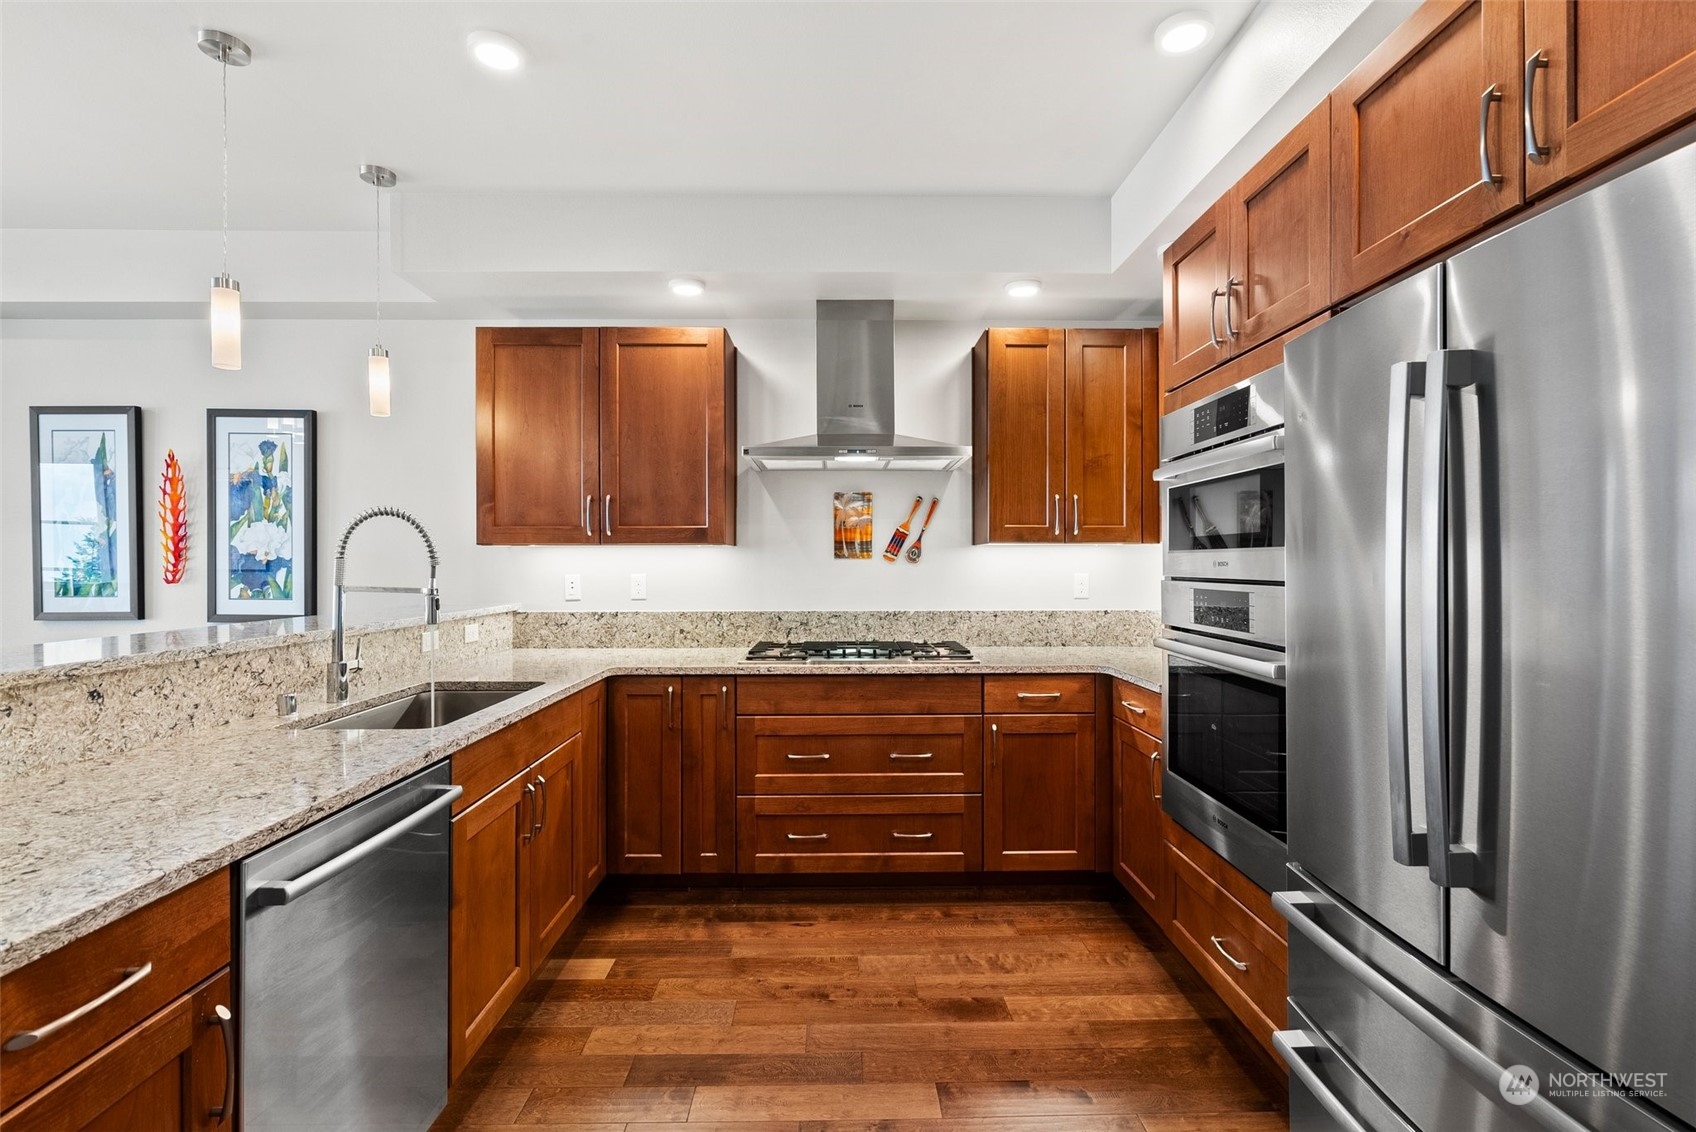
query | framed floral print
(85,490)
(263,500)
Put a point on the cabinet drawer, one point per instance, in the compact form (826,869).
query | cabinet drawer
(487,763)
(805,694)
(1047,694)
(1244,960)
(1137,706)
(179,940)
(865,833)
(860,754)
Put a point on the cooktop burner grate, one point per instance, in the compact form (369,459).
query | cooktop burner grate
(802,652)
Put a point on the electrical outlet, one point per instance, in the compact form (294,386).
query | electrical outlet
(472,631)
(574,587)
(1080,585)
(638,587)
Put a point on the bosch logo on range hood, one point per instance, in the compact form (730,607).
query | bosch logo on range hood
(856,401)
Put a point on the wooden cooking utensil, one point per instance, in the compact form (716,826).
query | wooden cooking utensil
(896,540)
(913,551)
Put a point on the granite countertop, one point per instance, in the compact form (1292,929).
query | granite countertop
(88,842)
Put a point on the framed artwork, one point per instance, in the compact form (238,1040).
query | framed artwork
(85,488)
(851,524)
(262,540)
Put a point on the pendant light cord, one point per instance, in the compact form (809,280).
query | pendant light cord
(224,91)
(377,227)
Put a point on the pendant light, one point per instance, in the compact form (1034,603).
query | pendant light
(377,366)
(226,292)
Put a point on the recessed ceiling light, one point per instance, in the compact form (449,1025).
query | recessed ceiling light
(1024,288)
(1183,33)
(687,287)
(495,51)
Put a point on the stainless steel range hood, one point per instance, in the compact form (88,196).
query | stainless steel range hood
(856,401)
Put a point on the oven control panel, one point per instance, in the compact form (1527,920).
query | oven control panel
(1252,612)
(1221,416)
(1232,610)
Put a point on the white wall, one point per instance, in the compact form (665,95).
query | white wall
(422,459)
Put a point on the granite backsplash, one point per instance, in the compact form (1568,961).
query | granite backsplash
(1086,628)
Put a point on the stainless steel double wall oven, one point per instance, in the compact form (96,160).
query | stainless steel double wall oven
(1224,514)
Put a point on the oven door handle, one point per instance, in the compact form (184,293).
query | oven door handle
(1225,454)
(1230,662)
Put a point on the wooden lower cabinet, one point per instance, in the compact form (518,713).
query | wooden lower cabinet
(556,881)
(491,915)
(645,775)
(592,795)
(1139,844)
(169,1074)
(1039,792)
(708,775)
(860,833)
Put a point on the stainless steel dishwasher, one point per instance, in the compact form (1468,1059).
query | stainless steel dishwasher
(342,964)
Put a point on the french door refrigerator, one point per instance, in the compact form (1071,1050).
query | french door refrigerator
(1492,682)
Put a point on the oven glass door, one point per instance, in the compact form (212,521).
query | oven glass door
(1243,510)
(1225,736)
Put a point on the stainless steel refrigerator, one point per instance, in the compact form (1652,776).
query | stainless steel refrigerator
(1492,682)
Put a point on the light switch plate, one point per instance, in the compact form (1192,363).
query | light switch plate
(574,587)
(638,587)
(472,631)
(1080,585)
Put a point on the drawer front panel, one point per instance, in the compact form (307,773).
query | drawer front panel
(862,834)
(902,691)
(873,754)
(185,937)
(1137,706)
(486,764)
(1042,693)
(1220,930)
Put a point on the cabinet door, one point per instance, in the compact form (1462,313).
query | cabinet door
(1194,273)
(166,1075)
(1139,849)
(668,434)
(592,794)
(1618,74)
(538,435)
(1280,222)
(644,770)
(1112,434)
(491,914)
(709,774)
(1018,436)
(1039,792)
(1411,130)
(556,893)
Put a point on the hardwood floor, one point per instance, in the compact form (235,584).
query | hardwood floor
(868,1010)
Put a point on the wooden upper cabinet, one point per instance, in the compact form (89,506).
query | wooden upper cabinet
(1280,236)
(644,775)
(1065,434)
(1425,139)
(1196,267)
(1617,75)
(1112,436)
(668,435)
(538,434)
(1018,435)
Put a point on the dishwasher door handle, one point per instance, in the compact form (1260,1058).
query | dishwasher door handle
(284,891)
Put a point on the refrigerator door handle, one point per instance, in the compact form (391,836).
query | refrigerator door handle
(1407,384)
(1299,1050)
(1451,865)
(1293,907)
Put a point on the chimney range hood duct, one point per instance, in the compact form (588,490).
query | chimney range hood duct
(856,401)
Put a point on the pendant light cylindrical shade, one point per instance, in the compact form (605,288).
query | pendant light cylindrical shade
(377,381)
(226,323)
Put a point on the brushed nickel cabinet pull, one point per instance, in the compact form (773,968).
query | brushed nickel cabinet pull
(1038,695)
(227,1030)
(26,1038)
(670,695)
(1134,709)
(898,755)
(530,828)
(912,836)
(542,794)
(724,705)
(606,516)
(799,758)
(589,515)
(1074,514)
(1533,152)
(1213,317)
(1229,958)
(1487,174)
(1233,281)
(1056,514)
(994,743)
(808,836)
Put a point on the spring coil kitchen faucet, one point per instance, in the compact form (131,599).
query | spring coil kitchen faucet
(337,671)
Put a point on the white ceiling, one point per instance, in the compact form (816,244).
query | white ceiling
(109,113)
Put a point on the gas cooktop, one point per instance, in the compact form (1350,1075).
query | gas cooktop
(894,652)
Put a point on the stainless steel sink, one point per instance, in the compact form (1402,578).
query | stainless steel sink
(431,708)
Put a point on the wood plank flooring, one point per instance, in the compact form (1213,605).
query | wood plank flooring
(867,1010)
